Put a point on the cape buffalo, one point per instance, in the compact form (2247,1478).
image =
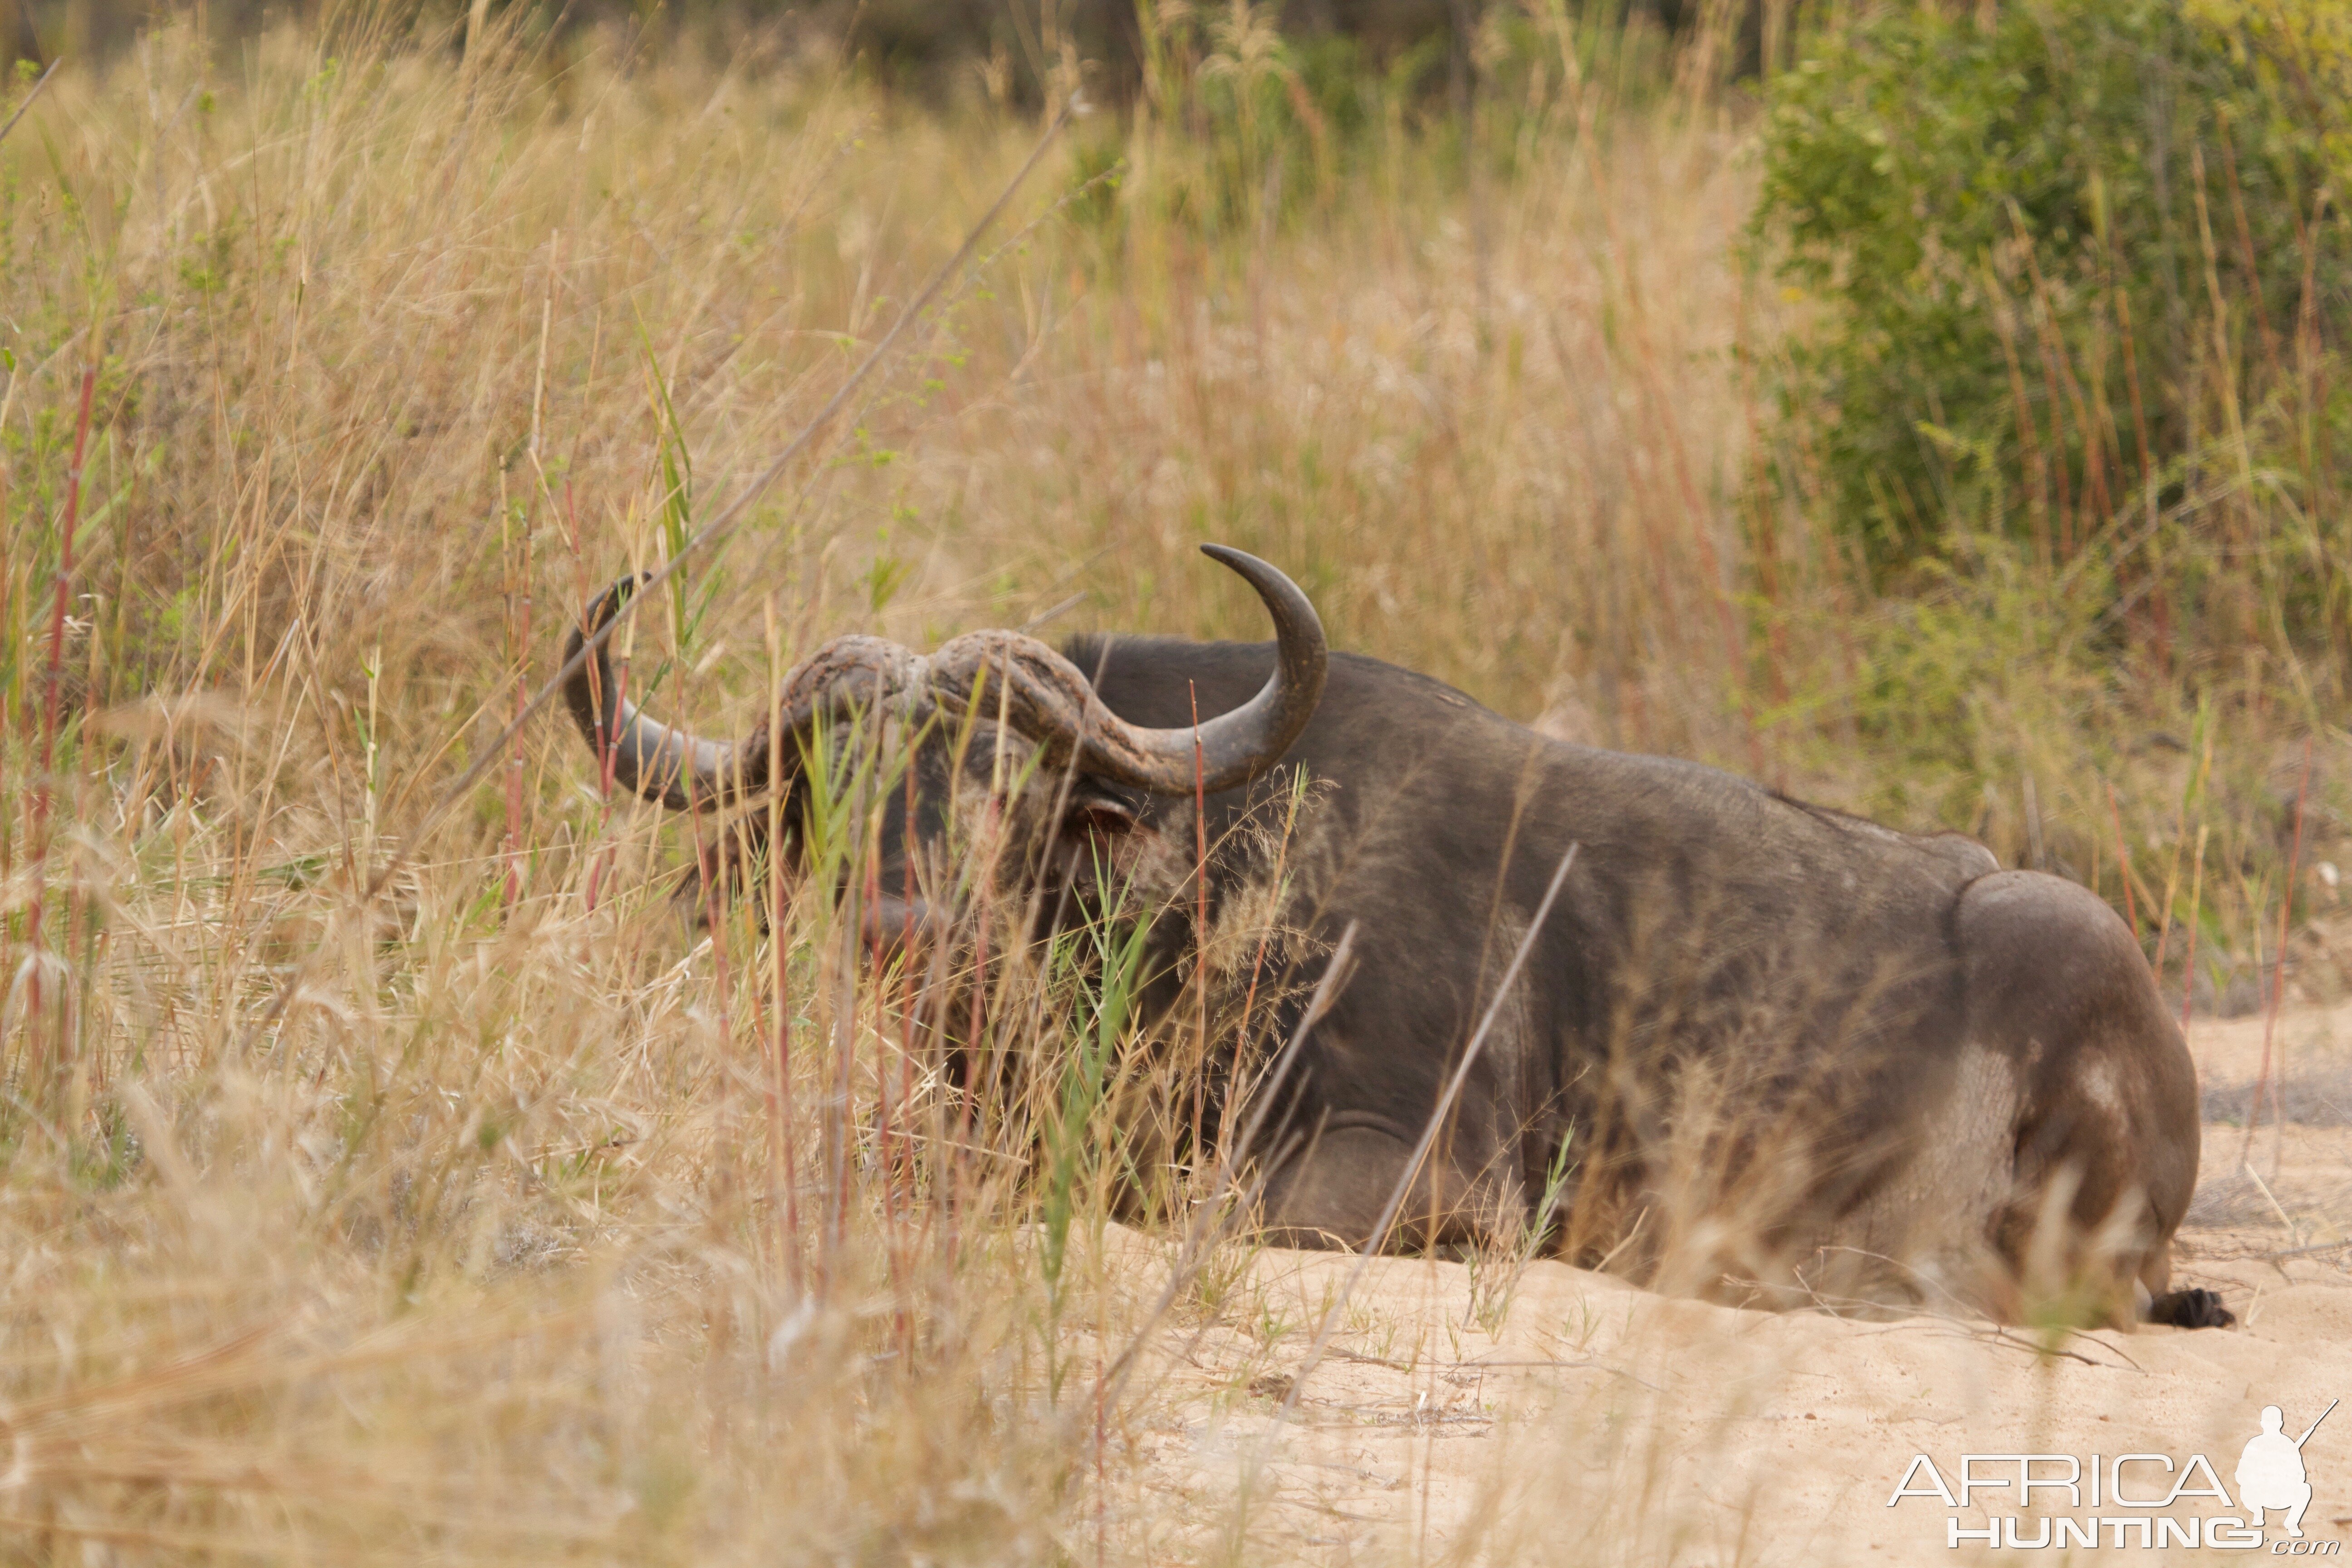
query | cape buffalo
(1754,1044)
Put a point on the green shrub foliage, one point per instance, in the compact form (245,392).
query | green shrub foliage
(2060,246)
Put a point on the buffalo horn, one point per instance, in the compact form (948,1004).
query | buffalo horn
(1039,693)
(1047,698)
(649,758)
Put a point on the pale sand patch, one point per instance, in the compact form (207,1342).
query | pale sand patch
(1599,1423)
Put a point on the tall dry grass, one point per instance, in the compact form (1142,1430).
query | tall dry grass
(499,1217)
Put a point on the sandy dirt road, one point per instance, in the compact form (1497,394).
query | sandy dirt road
(1573,1418)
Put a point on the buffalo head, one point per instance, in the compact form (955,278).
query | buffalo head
(1004,729)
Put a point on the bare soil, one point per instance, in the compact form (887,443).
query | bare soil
(1569,1416)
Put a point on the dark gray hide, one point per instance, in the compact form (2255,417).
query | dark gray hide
(1792,1053)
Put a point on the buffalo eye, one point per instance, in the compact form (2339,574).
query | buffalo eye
(1098,823)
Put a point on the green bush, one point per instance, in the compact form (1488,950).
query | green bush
(2060,247)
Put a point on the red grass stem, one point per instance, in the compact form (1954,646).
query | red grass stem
(2123,863)
(2278,981)
(608,746)
(43,788)
(522,697)
(2196,908)
(1200,922)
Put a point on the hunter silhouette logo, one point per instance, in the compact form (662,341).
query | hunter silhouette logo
(2124,1500)
(2269,1472)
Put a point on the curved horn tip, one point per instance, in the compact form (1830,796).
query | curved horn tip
(1269,579)
(1239,561)
(609,599)
(1294,612)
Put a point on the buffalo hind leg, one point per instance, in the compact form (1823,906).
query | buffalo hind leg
(2106,1139)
